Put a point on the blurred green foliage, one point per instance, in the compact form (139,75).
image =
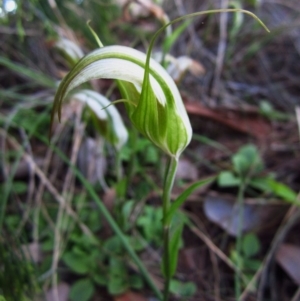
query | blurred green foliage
(17,277)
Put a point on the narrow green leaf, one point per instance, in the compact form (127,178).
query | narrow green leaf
(34,75)
(170,40)
(279,189)
(260,184)
(283,191)
(174,247)
(94,34)
(180,200)
(238,18)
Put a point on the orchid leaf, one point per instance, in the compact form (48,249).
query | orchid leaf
(180,200)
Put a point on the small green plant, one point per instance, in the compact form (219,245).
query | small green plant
(246,258)
(104,262)
(149,223)
(247,175)
(156,110)
(101,264)
(267,110)
(182,290)
(247,170)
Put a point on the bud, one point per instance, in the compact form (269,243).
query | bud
(151,97)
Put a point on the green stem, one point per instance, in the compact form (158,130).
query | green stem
(130,171)
(168,185)
(189,16)
(118,166)
(240,199)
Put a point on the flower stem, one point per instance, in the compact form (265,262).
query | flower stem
(240,200)
(168,185)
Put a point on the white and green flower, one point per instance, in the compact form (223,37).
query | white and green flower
(152,100)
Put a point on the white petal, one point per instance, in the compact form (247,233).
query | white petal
(97,102)
(94,100)
(115,68)
(70,48)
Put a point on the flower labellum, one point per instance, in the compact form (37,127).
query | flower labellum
(152,100)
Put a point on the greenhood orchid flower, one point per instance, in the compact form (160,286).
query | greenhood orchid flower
(152,100)
(114,130)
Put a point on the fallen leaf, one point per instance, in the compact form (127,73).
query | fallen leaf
(246,121)
(288,256)
(256,217)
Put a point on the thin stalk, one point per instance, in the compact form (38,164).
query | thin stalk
(240,199)
(130,171)
(168,185)
(189,16)
(118,166)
